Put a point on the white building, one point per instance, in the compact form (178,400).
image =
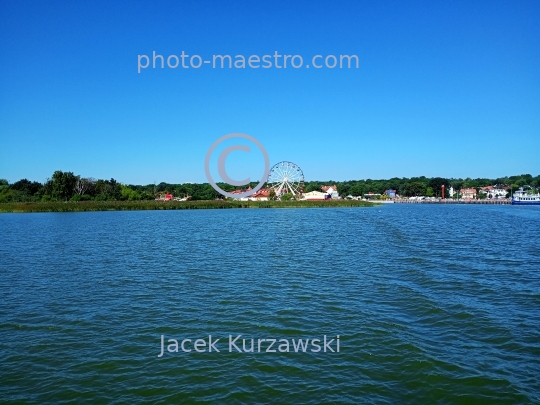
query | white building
(494,191)
(331,191)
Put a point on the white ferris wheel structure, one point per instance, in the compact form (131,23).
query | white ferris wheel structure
(286,177)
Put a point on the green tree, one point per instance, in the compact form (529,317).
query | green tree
(312,186)
(357,190)
(286,197)
(26,188)
(436,184)
(415,188)
(127,193)
(344,189)
(108,190)
(63,185)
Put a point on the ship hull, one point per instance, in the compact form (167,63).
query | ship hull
(535,202)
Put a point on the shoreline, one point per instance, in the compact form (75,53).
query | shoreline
(492,201)
(87,206)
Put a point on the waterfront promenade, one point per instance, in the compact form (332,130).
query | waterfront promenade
(452,201)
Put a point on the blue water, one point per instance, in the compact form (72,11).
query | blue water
(433,304)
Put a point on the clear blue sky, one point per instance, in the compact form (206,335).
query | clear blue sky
(446,89)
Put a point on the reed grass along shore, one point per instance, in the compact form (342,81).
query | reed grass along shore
(80,206)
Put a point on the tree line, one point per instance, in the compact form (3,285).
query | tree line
(423,186)
(66,186)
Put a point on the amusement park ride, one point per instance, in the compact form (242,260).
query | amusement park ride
(286,177)
(283,178)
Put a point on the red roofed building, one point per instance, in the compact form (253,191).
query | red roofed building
(165,197)
(468,193)
(261,195)
(331,191)
(242,190)
(326,188)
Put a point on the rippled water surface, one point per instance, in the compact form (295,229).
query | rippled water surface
(433,304)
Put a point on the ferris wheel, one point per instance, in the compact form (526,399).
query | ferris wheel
(286,177)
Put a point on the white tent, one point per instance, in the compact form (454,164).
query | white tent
(314,195)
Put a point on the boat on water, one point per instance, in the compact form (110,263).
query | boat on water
(525,196)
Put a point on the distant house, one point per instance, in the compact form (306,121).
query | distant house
(372,195)
(468,193)
(165,197)
(261,195)
(390,193)
(496,191)
(240,191)
(331,191)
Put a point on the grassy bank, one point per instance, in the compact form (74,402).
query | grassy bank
(72,206)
